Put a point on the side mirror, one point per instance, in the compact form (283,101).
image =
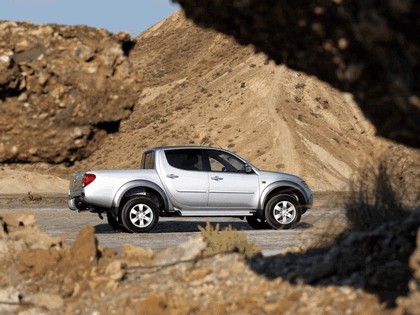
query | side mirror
(248,169)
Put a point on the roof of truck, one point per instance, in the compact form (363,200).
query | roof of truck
(183,147)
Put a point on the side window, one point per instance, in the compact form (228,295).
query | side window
(224,162)
(147,161)
(185,159)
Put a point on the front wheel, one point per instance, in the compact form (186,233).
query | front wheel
(140,215)
(282,212)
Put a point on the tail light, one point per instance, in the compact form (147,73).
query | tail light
(87,179)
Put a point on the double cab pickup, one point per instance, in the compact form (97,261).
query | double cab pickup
(190,181)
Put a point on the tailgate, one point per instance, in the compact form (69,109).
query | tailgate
(76,187)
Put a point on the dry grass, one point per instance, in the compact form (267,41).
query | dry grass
(227,240)
(33,197)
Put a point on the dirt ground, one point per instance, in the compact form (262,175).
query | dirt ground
(84,269)
(54,218)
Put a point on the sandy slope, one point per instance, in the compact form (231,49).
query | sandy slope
(21,182)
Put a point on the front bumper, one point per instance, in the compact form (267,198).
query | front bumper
(310,200)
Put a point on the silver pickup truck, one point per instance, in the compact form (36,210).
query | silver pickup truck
(190,181)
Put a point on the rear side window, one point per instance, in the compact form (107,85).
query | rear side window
(185,159)
(147,161)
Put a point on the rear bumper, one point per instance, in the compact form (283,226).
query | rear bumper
(72,204)
(76,204)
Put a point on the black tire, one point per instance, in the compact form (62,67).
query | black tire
(257,223)
(113,222)
(282,212)
(140,215)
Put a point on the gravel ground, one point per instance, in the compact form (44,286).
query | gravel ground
(53,217)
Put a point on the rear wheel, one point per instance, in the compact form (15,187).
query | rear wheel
(115,223)
(282,212)
(257,223)
(112,221)
(140,215)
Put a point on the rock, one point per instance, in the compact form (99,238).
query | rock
(184,252)
(138,254)
(411,304)
(82,281)
(56,79)
(374,260)
(114,270)
(14,221)
(10,299)
(45,300)
(356,46)
(84,250)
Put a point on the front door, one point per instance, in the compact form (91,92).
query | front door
(229,185)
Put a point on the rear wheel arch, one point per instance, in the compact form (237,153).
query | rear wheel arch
(150,193)
(138,189)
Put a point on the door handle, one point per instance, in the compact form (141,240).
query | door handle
(172,176)
(217,178)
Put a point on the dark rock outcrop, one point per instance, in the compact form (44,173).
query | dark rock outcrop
(369,48)
(62,89)
(376,260)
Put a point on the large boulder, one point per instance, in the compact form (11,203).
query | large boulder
(367,47)
(62,89)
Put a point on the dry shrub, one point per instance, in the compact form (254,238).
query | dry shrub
(227,240)
(33,197)
(382,193)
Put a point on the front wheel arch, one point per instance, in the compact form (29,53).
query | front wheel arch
(285,188)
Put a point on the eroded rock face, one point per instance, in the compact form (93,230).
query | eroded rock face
(369,48)
(40,273)
(376,260)
(87,279)
(62,89)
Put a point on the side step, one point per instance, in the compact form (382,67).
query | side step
(216,213)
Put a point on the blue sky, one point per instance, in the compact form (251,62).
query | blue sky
(133,16)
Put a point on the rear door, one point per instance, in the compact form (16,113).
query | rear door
(185,178)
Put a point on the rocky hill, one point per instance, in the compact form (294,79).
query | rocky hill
(54,82)
(365,47)
(201,87)
(179,84)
